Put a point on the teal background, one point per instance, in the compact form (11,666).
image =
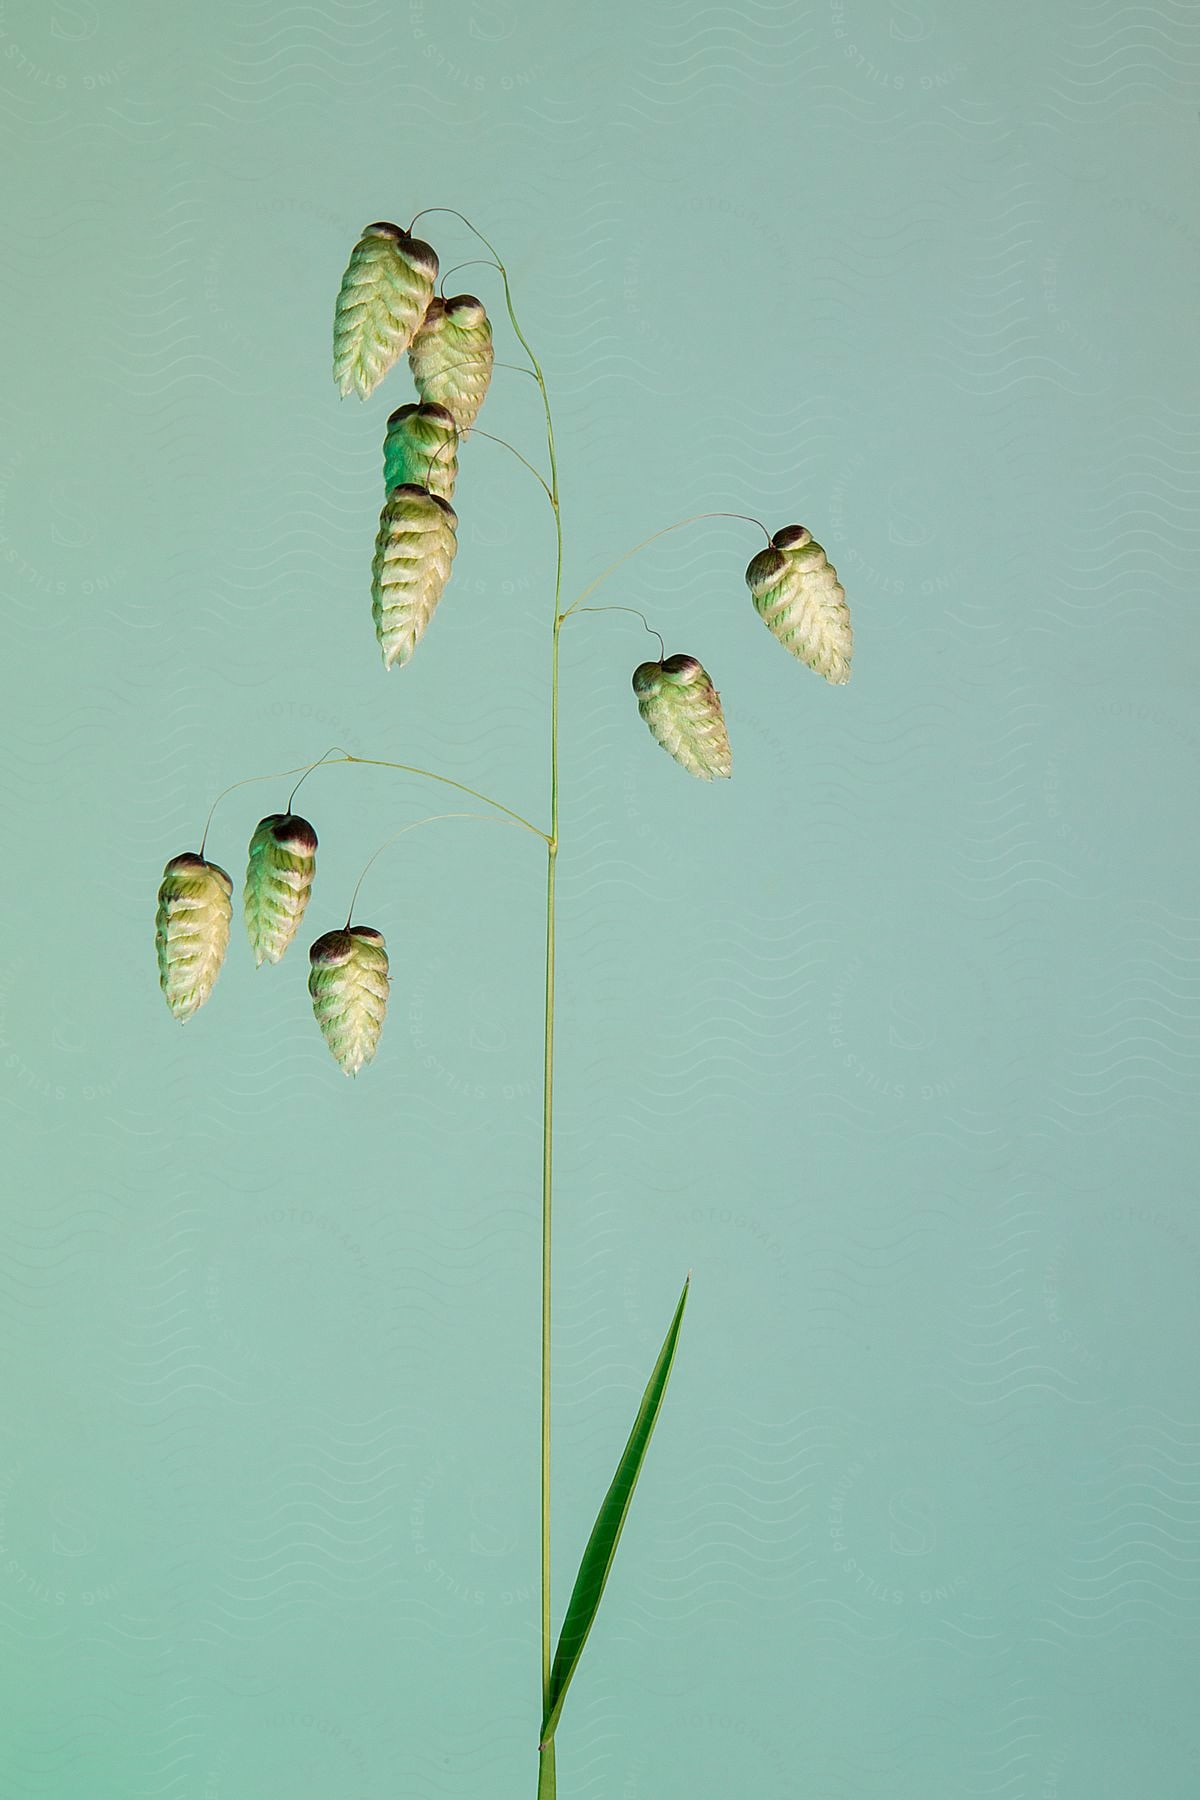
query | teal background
(893,1039)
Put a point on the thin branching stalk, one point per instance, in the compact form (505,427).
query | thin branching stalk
(695,518)
(546,1776)
(329,761)
(387,304)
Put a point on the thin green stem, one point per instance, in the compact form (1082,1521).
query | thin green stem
(432,819)
(662,648)
(309,770)
(374,762)
(304,770)
(475,432)
(547,1783)
(546,1771)
(474,262)
(679,524)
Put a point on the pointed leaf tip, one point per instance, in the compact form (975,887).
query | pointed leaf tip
(606,1532)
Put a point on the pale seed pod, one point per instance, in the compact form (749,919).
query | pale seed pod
(191,930)
(413,554)
(348,981)
(384,294)
(421,450)
(796,591)
(451,357)
(279,878)
(681,706)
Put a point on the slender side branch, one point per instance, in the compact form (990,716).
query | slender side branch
(475,432)
(662,648)
(374,762)
(327,762)
(653,538)
(433,819)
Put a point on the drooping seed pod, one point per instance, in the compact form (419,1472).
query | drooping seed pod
(421,450)
(191,930)
(384,294)
(348,982)
(413,554)
(681,706)
(279,878)
(796,591)
(451,356)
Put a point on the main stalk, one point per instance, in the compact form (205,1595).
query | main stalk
(546,1775)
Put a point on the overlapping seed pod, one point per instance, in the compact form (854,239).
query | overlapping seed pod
(279,878)
(348,981)
(384,295)
(413,554)
(451,356)
(681,706)
(796,591)
(421,450)
(191,930)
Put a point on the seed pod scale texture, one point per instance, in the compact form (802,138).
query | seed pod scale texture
(384,296)
(681,706)
(279,878)
(451,357)
(413,555)
(191,931)
(797,594)
(348,982)
(421,450)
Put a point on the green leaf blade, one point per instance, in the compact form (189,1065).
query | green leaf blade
(606,1532)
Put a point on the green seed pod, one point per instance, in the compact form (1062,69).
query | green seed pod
(279,878)
(348,982)
(385,291)
(191,931)
(796,591)
(681,706)
(413,553)
(451,356)
(421,450)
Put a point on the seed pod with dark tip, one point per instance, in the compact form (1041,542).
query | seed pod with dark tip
(681,706)
(384,294)
(279,878)
(796,591)
(413,553)
(451,356)
(191,930)
(421,450)
(348,981)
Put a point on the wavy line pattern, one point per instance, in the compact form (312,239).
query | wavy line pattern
(892,1042)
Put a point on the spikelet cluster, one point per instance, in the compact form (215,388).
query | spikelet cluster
(279,878)
(797,593)
(191,930)
(421,450)
(414,551)
(348,981)
(681,706)
(451,357)
(383,298)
